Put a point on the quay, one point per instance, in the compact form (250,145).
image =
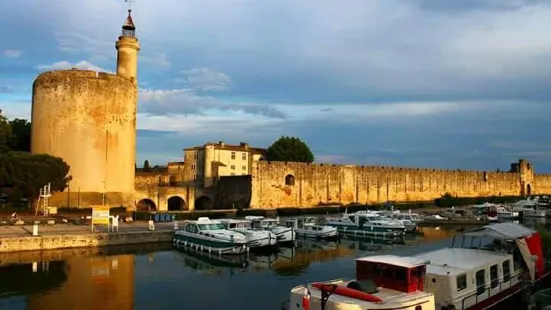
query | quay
(68,236)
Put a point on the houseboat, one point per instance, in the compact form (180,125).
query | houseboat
(210,236)
(403,218)
(256,239)
(307,227)
(283,234)
(368,224)
(475,276)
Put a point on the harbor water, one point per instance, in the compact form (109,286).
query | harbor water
(159,277)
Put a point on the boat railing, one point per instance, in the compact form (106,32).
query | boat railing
(489,289)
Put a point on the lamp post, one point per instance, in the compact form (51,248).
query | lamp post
(69,191)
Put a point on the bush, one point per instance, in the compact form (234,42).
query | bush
(250,212)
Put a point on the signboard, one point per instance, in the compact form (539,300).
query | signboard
(100,215)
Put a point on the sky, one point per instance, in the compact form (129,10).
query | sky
(422,83)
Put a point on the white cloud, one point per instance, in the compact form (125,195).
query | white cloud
(205,79)
(12,53)
(187,102)
(158,60)
(64,65)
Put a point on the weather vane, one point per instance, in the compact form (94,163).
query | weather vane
(129,4)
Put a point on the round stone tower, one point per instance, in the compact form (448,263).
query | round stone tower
(89,119)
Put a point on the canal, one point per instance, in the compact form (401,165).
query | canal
(158,277)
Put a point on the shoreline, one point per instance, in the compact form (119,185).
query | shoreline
(15,239)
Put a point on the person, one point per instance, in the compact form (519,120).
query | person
(14,217)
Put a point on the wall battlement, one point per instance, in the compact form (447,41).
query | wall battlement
(291,184)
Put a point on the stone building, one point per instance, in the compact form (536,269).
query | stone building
(88,118)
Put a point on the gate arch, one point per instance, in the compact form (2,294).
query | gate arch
(528,190)
(176,203)
(146,204)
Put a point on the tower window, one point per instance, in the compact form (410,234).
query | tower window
(232,155)
(290,180)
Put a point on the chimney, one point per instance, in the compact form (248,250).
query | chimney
(221,143)
(244,145)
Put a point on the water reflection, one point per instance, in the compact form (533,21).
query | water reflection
(157,277)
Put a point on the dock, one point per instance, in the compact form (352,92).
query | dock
(70,236)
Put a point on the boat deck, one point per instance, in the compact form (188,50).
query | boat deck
(457,260)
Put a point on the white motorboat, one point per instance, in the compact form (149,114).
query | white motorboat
(255,238)
(283,234)
(406,219)
(449,278)
(506,213)
(210,236)
(529,208)
(366,223)
(308,228)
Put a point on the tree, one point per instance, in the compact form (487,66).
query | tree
(289,149)
(5,133)
(146,167)
(27,173)
(20,139)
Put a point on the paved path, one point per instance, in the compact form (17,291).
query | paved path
(70,229)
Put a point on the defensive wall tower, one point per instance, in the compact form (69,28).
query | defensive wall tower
(88,118)
(209,158)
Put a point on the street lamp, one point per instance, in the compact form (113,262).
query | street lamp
(69,191)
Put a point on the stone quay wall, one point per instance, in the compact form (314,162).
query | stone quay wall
(290,184)
(52,242)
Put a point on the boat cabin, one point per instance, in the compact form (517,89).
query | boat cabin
(302,222)
(236,224)
(260,222)
(403,274)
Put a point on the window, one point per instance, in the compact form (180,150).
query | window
(506,271)
(232,155)
(192,167)
(232,167)
(195,154)
(232,173)
(480,282)
(243,168)
(290,180)
(461,282)
(243,174)
(244,156)
(494,276)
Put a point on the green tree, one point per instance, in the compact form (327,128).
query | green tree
(146,167)
(289,149)
(27,173)
(5,133)
(20,135)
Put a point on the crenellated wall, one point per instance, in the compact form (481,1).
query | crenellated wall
(327,183)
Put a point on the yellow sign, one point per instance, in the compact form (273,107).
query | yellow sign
(100,215)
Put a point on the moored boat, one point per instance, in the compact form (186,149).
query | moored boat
(210,236)
(283,234)
(256,239)
(307,227)
(406,219)
(475,277)
(366,224)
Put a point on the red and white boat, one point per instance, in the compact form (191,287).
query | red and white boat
(494,263)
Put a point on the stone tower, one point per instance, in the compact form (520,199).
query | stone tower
(127,50)
(88,118)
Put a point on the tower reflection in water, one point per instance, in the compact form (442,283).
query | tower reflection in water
(98,282)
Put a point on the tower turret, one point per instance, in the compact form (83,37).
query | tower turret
(127,49)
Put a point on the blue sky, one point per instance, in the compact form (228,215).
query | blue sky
(421,83)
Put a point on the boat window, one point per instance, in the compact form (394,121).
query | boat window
(494,276)
(480,282)
(351,218)
(461,282)
(506,271)
(400,275)
(232,225)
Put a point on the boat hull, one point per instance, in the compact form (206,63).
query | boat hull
(369,231)
(534,213)
(208,244)
(328,234)
(284,235)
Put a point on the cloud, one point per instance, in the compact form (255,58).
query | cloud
(12,53)
(64,65)
(4,89)
(75,42)
(187,102)
(157,60)
(205,79)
